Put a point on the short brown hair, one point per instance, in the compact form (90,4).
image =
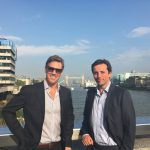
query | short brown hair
(102,61)
(55,58)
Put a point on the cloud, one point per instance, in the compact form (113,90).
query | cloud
(11,37)
(81,42)
(79,48)
(132,59)
(139,32)
(133,55)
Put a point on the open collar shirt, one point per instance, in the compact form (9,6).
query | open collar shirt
(51,126)
(100,134)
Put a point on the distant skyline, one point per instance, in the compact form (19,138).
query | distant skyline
(80,31)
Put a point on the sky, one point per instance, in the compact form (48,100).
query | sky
(80,31)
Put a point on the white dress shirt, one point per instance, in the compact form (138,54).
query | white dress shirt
(51,126)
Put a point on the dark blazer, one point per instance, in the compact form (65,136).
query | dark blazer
(119,116)
(32,99)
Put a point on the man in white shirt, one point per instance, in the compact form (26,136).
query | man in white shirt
(48,112)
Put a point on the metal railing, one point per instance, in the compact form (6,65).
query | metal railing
(142,131)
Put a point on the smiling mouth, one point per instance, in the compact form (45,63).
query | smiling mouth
(52,76)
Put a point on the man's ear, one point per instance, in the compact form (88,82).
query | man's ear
(110,74)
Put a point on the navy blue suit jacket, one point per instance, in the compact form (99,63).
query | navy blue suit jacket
(32,99)
(119,116)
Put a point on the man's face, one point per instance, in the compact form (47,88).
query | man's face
(53,72)
(101,75)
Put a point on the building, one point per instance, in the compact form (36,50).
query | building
(24,79)
(133,79)
(89,84)
(8,56)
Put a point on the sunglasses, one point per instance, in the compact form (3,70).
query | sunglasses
(51,69)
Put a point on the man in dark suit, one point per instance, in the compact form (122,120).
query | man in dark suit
(109,116)
(48,112)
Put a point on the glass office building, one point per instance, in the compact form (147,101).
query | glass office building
(8,56)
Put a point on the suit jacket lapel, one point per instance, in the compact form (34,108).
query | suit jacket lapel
(61,96)
(109,97)
(41,97)
(91,100)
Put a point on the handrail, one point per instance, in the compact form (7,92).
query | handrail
(142,131)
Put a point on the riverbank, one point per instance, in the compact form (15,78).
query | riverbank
(140,88)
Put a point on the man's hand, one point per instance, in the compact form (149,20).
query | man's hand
(67,148)
(87,140)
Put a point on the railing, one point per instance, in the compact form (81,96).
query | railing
(142,142)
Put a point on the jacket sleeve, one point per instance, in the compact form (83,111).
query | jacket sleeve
(129,122)
(85,128)
(9,115)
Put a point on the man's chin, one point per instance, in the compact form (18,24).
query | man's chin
(100,85)
(52,82)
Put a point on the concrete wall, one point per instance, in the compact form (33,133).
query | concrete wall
(142,141)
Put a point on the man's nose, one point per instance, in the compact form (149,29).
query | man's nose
(54,71)
(99,74)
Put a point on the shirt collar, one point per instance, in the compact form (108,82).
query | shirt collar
(46,86)
(106,89)
(108,86)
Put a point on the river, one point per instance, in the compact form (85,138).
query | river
(141,101)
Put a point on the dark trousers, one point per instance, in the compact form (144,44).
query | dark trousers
(100,147)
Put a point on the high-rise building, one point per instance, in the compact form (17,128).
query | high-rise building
(8,56)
